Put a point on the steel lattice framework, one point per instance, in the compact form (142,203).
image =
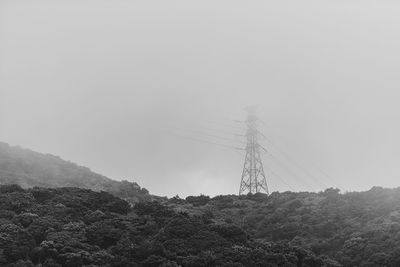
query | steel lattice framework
(253,176)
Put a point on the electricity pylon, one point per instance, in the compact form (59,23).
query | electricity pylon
(253,176)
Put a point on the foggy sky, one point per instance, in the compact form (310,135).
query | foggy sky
(124,87)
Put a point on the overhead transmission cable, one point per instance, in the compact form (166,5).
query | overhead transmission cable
(286,155)
(298,166)
(212,135)
(274,174)
(280,178)
(290,172)
(180,135)
(204,139)
(226,135)
(295,163)
(224,124)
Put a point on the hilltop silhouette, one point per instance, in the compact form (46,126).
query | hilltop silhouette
(28,169)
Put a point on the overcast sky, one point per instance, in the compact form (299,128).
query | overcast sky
(135,89)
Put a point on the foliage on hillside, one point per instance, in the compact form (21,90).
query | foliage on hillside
(28,169)
(79,227)
(356,229)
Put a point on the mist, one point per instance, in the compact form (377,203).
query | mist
(152,91)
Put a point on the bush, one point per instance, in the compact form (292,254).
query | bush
(198,201)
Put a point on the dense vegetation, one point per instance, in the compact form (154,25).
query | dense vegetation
(80,227)
(28,169)
(68,226)
(355,229)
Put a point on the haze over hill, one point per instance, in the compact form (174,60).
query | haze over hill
(28,169)
(95,80)
(155,91)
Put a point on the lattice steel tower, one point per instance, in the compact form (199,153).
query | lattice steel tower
(253,176)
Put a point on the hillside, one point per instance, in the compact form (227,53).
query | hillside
(355,229)
(78,227)
(28,169)
(282,229)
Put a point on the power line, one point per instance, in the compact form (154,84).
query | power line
(330,177)
(304,170)
(299,166)
(205,132)
(206,141)
(305,183)
(206,135)
(214,136)
(253,176)
(225,124)
(281,179)
(272,172)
